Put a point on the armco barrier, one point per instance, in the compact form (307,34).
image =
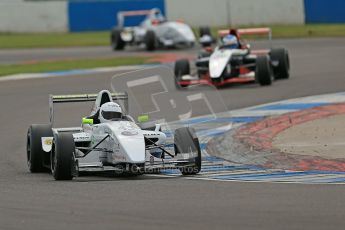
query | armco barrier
(96,15)
(324,11)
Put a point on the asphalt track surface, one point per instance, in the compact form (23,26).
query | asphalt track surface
(36,201)
(19,56)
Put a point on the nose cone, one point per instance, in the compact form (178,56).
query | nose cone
(130,139)
(133,145)
(218,61)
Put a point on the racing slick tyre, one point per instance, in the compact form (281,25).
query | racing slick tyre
(62,156)
(263,71)
(150,40)
(34,151)
(182,67)
(204,30)
(116,41)
(186,141)
(282,69)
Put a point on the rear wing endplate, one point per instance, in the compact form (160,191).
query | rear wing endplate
(122,98)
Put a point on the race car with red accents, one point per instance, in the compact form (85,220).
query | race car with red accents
(233,61)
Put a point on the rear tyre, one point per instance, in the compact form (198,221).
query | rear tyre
(182,67)
(116,41)
(34,151)
(62,157)
(186,141)
(150,40)
(281,56)
(204,30)
(263,71)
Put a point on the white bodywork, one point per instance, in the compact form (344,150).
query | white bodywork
(109,143)
(125,143)
(114,144)
(220,58)
(171,33)
(168,33)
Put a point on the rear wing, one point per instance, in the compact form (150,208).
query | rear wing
(248,31)
(122,14)
(122,98)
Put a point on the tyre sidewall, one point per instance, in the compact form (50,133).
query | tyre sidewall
(263,71)
(181,68)
(282,71)
(116,41)
(150,40)
(62,156)
(185,141)
(35,153)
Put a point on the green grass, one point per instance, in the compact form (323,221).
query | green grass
(44,40)
(69,65)
(299,31)
(311,30)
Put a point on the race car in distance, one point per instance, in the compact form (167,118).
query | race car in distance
(233,61)
(154,32)
(108,140)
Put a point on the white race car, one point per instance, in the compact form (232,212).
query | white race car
(235,62)
(117,144)
(155,31)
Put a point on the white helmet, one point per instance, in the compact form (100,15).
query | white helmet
(110,111)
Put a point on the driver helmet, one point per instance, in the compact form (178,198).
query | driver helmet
(230,41)
(157,15)
(110,111)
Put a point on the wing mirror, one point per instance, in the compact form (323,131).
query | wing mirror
(87,121)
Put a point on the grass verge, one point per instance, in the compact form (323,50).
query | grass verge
(302,31)
(69,65)
(44,40)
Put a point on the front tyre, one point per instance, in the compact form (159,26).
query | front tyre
(204,30)
(263,71)
(116,40)
(281,63)
(150,40)
(186,142)
(181,68)
(62,157)
(34,151)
